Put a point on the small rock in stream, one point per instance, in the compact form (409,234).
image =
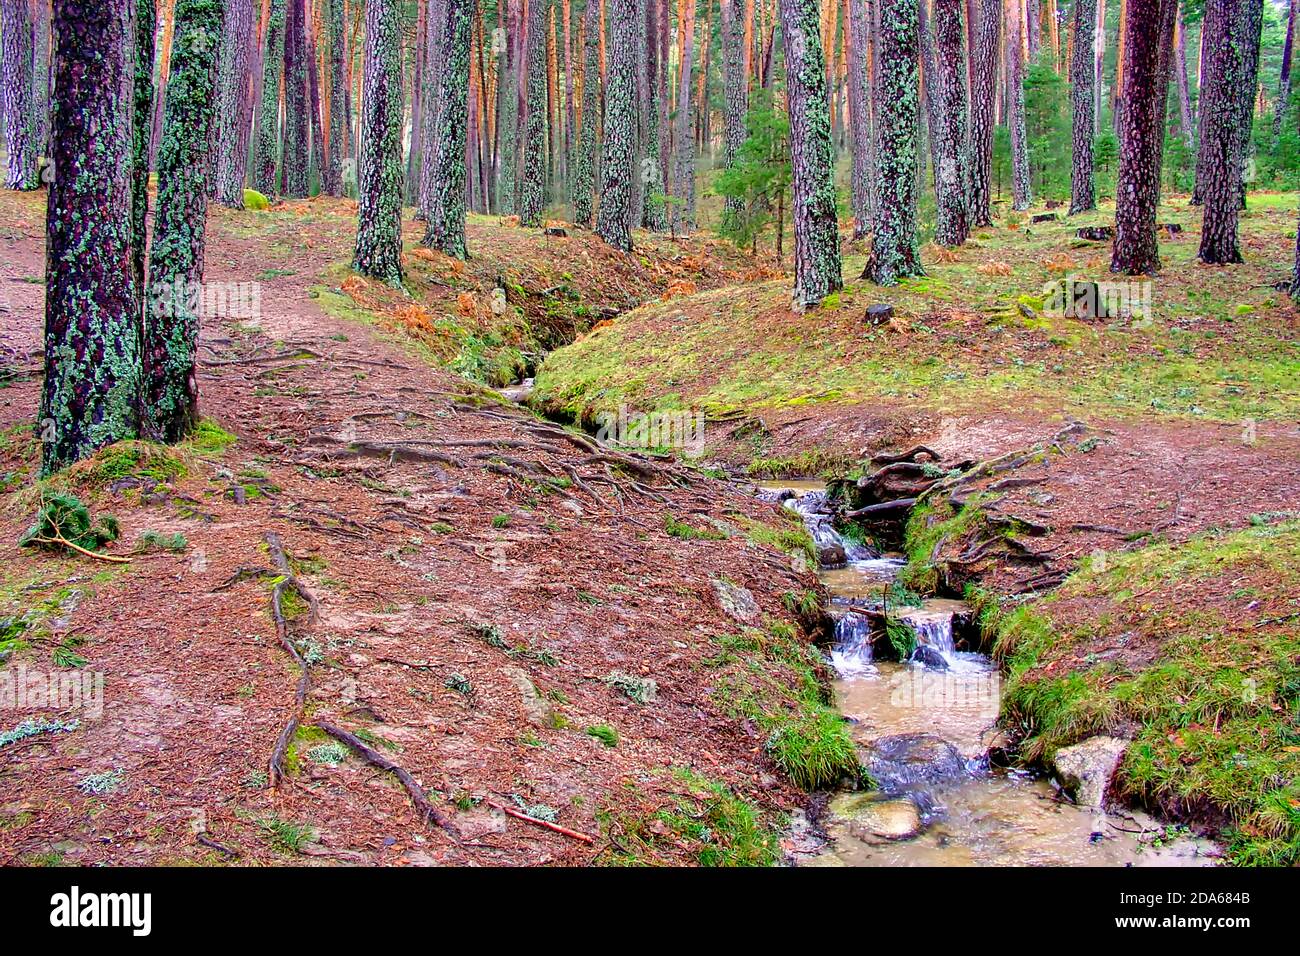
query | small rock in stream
(927,655)
(869,816)
(1087,768)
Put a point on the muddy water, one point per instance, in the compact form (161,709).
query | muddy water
(925,730)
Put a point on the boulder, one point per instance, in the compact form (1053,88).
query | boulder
(1045,217)
(1087,768)
(736,602)
(870,816)
(831,555)
(556,231)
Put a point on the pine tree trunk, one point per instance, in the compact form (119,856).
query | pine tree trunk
(862,178)
(1284,76)
(532,190)
(232,93)
(983,100)
(1021,193)
(425,125)
(948,87)
(294,156)
(266,150)
(651,177)
(1142,130)
(141,136)
(736,94)
(683,144)
(89,398)
(1295,276)
(1187,118)
(585,162)
(508,111)
(613,218)
(1082,77)
(16,65)
(171,329)
(41,77)
(446,230)
(817,266)
(1220,113)
(332,169)
(1249,27)
(380,172)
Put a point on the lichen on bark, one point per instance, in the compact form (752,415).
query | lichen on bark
(91,345)
(446,216)
(170,407)
(380,173)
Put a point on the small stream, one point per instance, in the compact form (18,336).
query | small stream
(925,729)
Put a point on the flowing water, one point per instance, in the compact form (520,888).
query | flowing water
(925,729)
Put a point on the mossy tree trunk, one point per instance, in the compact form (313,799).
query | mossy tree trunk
(92,339)
(862,178)
(951,174)
(294,155)
(1083,195)
(984,74)
(41,37)
(146,21)
(446,229)
(171,330)
(1220,112)
(584,167)
(817,267)
(266,150)
(894,253)
(380,173)
(613,221)
(16,76)
(532,189)
(650,174)
(232,104)
(332,168)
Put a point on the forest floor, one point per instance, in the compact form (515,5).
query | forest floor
(525,622)
(487,583)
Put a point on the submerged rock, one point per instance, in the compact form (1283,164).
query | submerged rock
(1087,768)
(870,816)
(907,759)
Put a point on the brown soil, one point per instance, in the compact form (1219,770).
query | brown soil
(439,533)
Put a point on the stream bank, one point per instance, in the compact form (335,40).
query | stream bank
(927,729)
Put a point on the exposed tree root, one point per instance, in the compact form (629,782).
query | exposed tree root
(428,812)
(288,582)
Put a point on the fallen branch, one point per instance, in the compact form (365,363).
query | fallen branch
(565,831)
